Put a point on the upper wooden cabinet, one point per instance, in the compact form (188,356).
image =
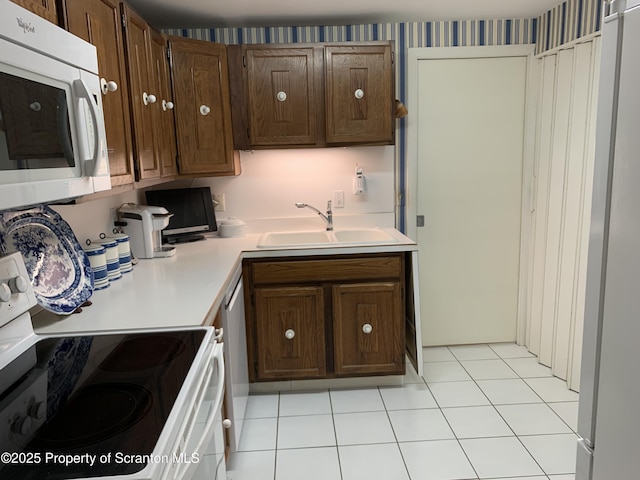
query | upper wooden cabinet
(200,82)
(99,22)
(283,93)
(359,94)
(165,130)
(44,8)
(144,94)
(312,94)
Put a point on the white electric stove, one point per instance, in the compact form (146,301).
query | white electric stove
(131,405)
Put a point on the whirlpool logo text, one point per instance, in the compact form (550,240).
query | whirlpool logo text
(25,26)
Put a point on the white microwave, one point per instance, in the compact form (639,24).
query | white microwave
(52,135)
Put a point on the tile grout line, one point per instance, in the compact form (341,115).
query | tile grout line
(335,432)
(494,407)
(503,419)
(275,453)
(449,424)
(404,462)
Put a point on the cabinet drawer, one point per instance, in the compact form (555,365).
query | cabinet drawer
(324,270)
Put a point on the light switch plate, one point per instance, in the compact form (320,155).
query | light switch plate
(338,199)
(218,202)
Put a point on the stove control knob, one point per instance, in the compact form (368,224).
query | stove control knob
(18,284)
(21,425)
(5,292)
(37,410)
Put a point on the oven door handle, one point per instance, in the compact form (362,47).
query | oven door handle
(218,360)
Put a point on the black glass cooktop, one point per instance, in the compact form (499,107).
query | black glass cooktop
(90,406)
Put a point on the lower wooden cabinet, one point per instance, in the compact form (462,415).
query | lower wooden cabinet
(315,317)
(290,332)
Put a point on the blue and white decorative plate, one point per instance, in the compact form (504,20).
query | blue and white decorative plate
(58,267)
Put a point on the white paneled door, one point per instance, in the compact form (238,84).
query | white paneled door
(469,128)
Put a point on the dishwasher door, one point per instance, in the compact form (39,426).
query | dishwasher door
(237,372)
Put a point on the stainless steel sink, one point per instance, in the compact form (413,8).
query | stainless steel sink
(351,236)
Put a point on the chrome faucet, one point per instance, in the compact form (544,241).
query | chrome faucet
(328,218)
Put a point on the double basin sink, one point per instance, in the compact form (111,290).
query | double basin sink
(355,236)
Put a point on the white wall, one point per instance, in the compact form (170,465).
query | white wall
(89,219)
(272,181)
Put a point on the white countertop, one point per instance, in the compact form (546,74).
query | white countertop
(186,289)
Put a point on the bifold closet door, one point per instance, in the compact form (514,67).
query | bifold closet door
(544,131)
(567,349)
(563,175)
(555,211)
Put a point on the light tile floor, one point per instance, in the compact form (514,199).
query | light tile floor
(480,412)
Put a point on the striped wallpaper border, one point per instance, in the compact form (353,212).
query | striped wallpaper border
(417,34)
(567,22)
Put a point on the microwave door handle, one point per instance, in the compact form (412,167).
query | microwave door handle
(96,164)
(218,357)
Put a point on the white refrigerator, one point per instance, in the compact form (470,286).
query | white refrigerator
(608,419)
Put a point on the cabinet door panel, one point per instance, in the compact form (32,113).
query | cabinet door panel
(282,96)
(368,329)
(299,311)
(138,43)
(43,8)
(359,94)
(98,22)
(203,114)
(165,126)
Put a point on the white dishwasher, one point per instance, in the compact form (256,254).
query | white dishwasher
(235,357)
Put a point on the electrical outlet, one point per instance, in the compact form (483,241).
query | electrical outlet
(218,201)
(338,199)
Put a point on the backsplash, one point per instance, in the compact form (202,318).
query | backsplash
(89,219)
(272,181)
